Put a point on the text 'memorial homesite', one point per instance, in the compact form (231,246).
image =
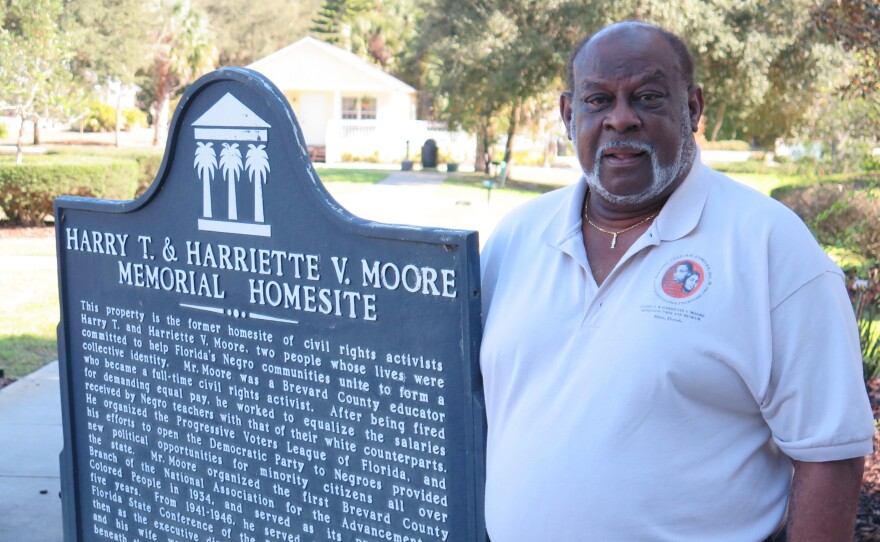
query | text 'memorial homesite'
(243,360)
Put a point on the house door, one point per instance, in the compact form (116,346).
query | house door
(312,117)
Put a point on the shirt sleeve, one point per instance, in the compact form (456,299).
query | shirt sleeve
(816,406)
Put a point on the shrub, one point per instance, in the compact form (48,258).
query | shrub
(27,190)
(369,158)
(148,161)
(865,294)
(100,118)
(871,162)
(148,167)
(528,158)
(841,211)
(133,118)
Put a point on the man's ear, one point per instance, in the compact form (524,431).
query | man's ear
(695,106)
(565,110)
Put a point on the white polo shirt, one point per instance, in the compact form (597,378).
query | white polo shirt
(655,407)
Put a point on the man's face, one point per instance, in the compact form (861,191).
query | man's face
(680,273)
(631,116)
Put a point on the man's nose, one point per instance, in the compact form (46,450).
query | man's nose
(622,117)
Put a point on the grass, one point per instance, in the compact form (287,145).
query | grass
(28,317)
(354,176)
(761,182)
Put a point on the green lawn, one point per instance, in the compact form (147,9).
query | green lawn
(356,176)
(761,182)
(29,305)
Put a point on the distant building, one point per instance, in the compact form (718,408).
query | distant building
(349,108)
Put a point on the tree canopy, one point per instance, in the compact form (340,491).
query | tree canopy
(855,25)
(34,59)
(487,66)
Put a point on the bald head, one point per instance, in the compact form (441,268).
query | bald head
(621,30)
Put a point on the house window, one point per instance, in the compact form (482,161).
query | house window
(359,108)
(349,108)
(368,108)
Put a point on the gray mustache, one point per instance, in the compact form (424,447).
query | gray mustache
(625,144)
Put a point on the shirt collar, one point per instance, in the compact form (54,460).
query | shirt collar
(679,216)
(563,229)
(682,211)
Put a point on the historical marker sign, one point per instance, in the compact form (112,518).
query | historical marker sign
(242,360)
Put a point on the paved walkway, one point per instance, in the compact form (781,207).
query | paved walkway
(30,441)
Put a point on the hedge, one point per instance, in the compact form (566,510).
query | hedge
(27,190)
(842,210)
(148,167)
(148,161)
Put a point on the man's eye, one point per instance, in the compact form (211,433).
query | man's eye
(649,98)
(596,101)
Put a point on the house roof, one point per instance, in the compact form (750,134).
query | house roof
(312,64)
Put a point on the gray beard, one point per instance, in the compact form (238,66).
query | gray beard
(662,176)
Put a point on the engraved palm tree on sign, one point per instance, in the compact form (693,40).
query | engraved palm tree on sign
(205,164)
(257,165)
(230,164)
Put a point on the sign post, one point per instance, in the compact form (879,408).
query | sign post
(243,360)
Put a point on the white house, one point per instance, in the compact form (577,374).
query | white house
(349,108)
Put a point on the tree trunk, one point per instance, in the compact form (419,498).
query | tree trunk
(36,130)
(483,160)
(118,117)
(508,146)
(719,120)
(160,123)
(479,156)
(160,120)
(19,151)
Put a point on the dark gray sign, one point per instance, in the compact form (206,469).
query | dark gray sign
(243,360)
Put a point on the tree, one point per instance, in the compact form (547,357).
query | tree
(110,43)
(846,126)
(333,21)
(34,60)
(487,59)
(245,35)
(181,51)
(855,25)
(384,32)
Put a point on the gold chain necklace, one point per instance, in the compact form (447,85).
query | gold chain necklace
(613,234)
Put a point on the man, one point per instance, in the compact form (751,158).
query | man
(682,270)
(601,425)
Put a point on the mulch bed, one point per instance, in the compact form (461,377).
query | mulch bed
(868,520)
